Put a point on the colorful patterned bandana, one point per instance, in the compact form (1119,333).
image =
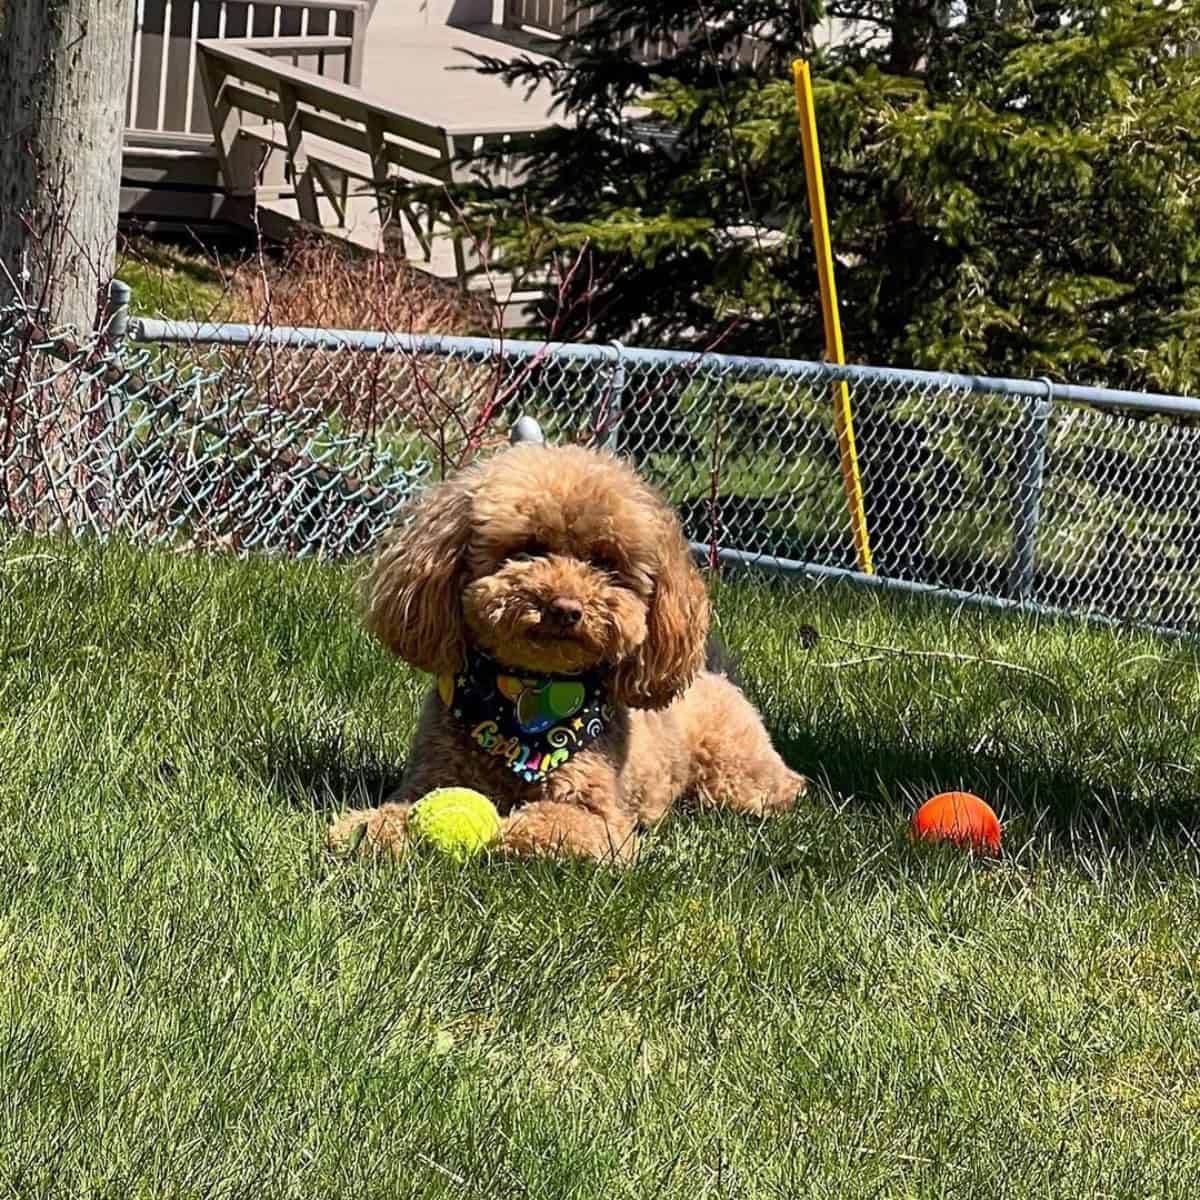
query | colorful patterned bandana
(531,723)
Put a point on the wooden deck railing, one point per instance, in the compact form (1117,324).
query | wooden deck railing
(340,145)
(551,16)
(165,94)
(559,17)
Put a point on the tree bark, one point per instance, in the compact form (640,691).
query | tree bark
(913,26)
(64,69)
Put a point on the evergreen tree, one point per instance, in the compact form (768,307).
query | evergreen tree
(1012,189)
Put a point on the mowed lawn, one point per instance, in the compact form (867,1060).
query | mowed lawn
(195,1001)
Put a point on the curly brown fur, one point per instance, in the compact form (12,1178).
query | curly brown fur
(556,560)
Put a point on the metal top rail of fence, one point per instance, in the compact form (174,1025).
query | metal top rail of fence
(300,338)
(306,441)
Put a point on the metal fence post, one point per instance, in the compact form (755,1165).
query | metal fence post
(110,441)
(1030,482)
(526,430)
(116,321)
(612,409)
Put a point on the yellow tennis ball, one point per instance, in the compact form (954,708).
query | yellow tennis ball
(458,821)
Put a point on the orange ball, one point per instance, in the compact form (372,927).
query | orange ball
(961,818)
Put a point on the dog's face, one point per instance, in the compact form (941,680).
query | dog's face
(552,560)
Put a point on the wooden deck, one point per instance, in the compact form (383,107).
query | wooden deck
(293,112)
(427,73)
(313,112)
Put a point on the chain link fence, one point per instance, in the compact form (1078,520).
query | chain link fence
(304,442)
(189,447)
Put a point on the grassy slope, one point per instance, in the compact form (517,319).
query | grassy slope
(194,1001)
(173,280)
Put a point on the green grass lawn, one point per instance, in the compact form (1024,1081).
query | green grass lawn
(196,1001)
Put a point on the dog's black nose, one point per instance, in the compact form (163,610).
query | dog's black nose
(565,611)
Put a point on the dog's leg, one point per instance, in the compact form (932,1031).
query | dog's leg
(551,828)
(544,828)
(435,743)
(733,764)
(577,813)
(365,829)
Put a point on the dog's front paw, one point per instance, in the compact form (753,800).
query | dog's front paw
(367,830)
(787,790)
(545,829)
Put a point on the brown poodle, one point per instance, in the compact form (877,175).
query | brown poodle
(554,597)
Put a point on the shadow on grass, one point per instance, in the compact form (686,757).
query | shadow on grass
(1035,800)
(328,777)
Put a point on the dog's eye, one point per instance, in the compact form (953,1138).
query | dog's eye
(528,552)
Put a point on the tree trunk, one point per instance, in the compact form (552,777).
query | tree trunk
(913,23)
(64,68)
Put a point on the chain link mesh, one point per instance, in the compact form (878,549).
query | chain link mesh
(307,444)
(190,446)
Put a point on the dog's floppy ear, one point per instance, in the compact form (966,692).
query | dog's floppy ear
(412,592)
(676,629)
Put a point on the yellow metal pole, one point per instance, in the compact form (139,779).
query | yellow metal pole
(843,421)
